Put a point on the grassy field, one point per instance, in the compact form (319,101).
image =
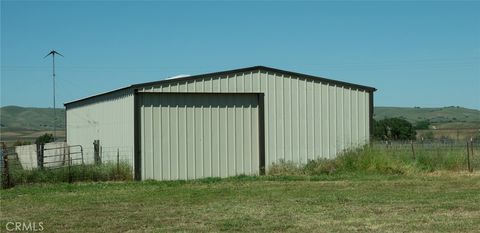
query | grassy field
(428,203)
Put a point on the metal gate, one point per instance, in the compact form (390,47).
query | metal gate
(63,156)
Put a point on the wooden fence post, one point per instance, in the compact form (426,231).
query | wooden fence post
(70,178)
(96,152)
(40,158)
(118,162)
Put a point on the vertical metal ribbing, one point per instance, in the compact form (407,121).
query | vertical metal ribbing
(242,153)
(342,109)
(297,118)
(321,119)
(291,118)
(313,118)
(358,118)
(186,143)
(211,139)
(218,144)
(357,127)
(163,160)
(350,116)
(307,130)
(152,146)
(328,120)
(226,142)
(274,112)
(334,136)
(194,159)
(177,110)
(234,134)
(211,130)
(251,138)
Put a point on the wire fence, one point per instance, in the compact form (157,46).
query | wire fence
(55,163)
(450,155)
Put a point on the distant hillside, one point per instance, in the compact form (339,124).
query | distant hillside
(21,118)
(445,117)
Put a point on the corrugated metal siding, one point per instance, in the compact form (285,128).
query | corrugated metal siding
(107,118)
(189,136)
(304,119)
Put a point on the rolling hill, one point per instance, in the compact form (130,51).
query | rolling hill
(15,117)
(441,118)
(26,124)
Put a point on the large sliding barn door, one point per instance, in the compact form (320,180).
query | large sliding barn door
(195,135)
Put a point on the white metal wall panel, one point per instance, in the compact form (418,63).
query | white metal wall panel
(108,118)
(304,118)
(190,136)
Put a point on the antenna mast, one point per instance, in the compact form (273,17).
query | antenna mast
(53,52)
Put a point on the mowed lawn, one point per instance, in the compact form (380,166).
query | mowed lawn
(427,203)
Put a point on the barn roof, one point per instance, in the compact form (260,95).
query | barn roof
(236,71)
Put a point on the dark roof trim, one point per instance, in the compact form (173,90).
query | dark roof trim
(235,71)
(97,95)
(260,68)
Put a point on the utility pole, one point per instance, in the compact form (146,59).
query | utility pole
(53,52)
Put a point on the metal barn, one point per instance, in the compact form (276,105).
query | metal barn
(225,123)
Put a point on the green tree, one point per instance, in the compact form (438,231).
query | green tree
(46,138)
(393,129)
(422,124)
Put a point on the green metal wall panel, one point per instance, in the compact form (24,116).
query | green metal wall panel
(190,136)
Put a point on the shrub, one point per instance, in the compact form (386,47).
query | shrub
(46,138)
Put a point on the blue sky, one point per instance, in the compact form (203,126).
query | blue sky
(423,54)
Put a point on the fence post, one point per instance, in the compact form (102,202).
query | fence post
(468,157)
(40,158)
(6,182)
(96,152)
(413,150)
(118,162)
(69,170)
